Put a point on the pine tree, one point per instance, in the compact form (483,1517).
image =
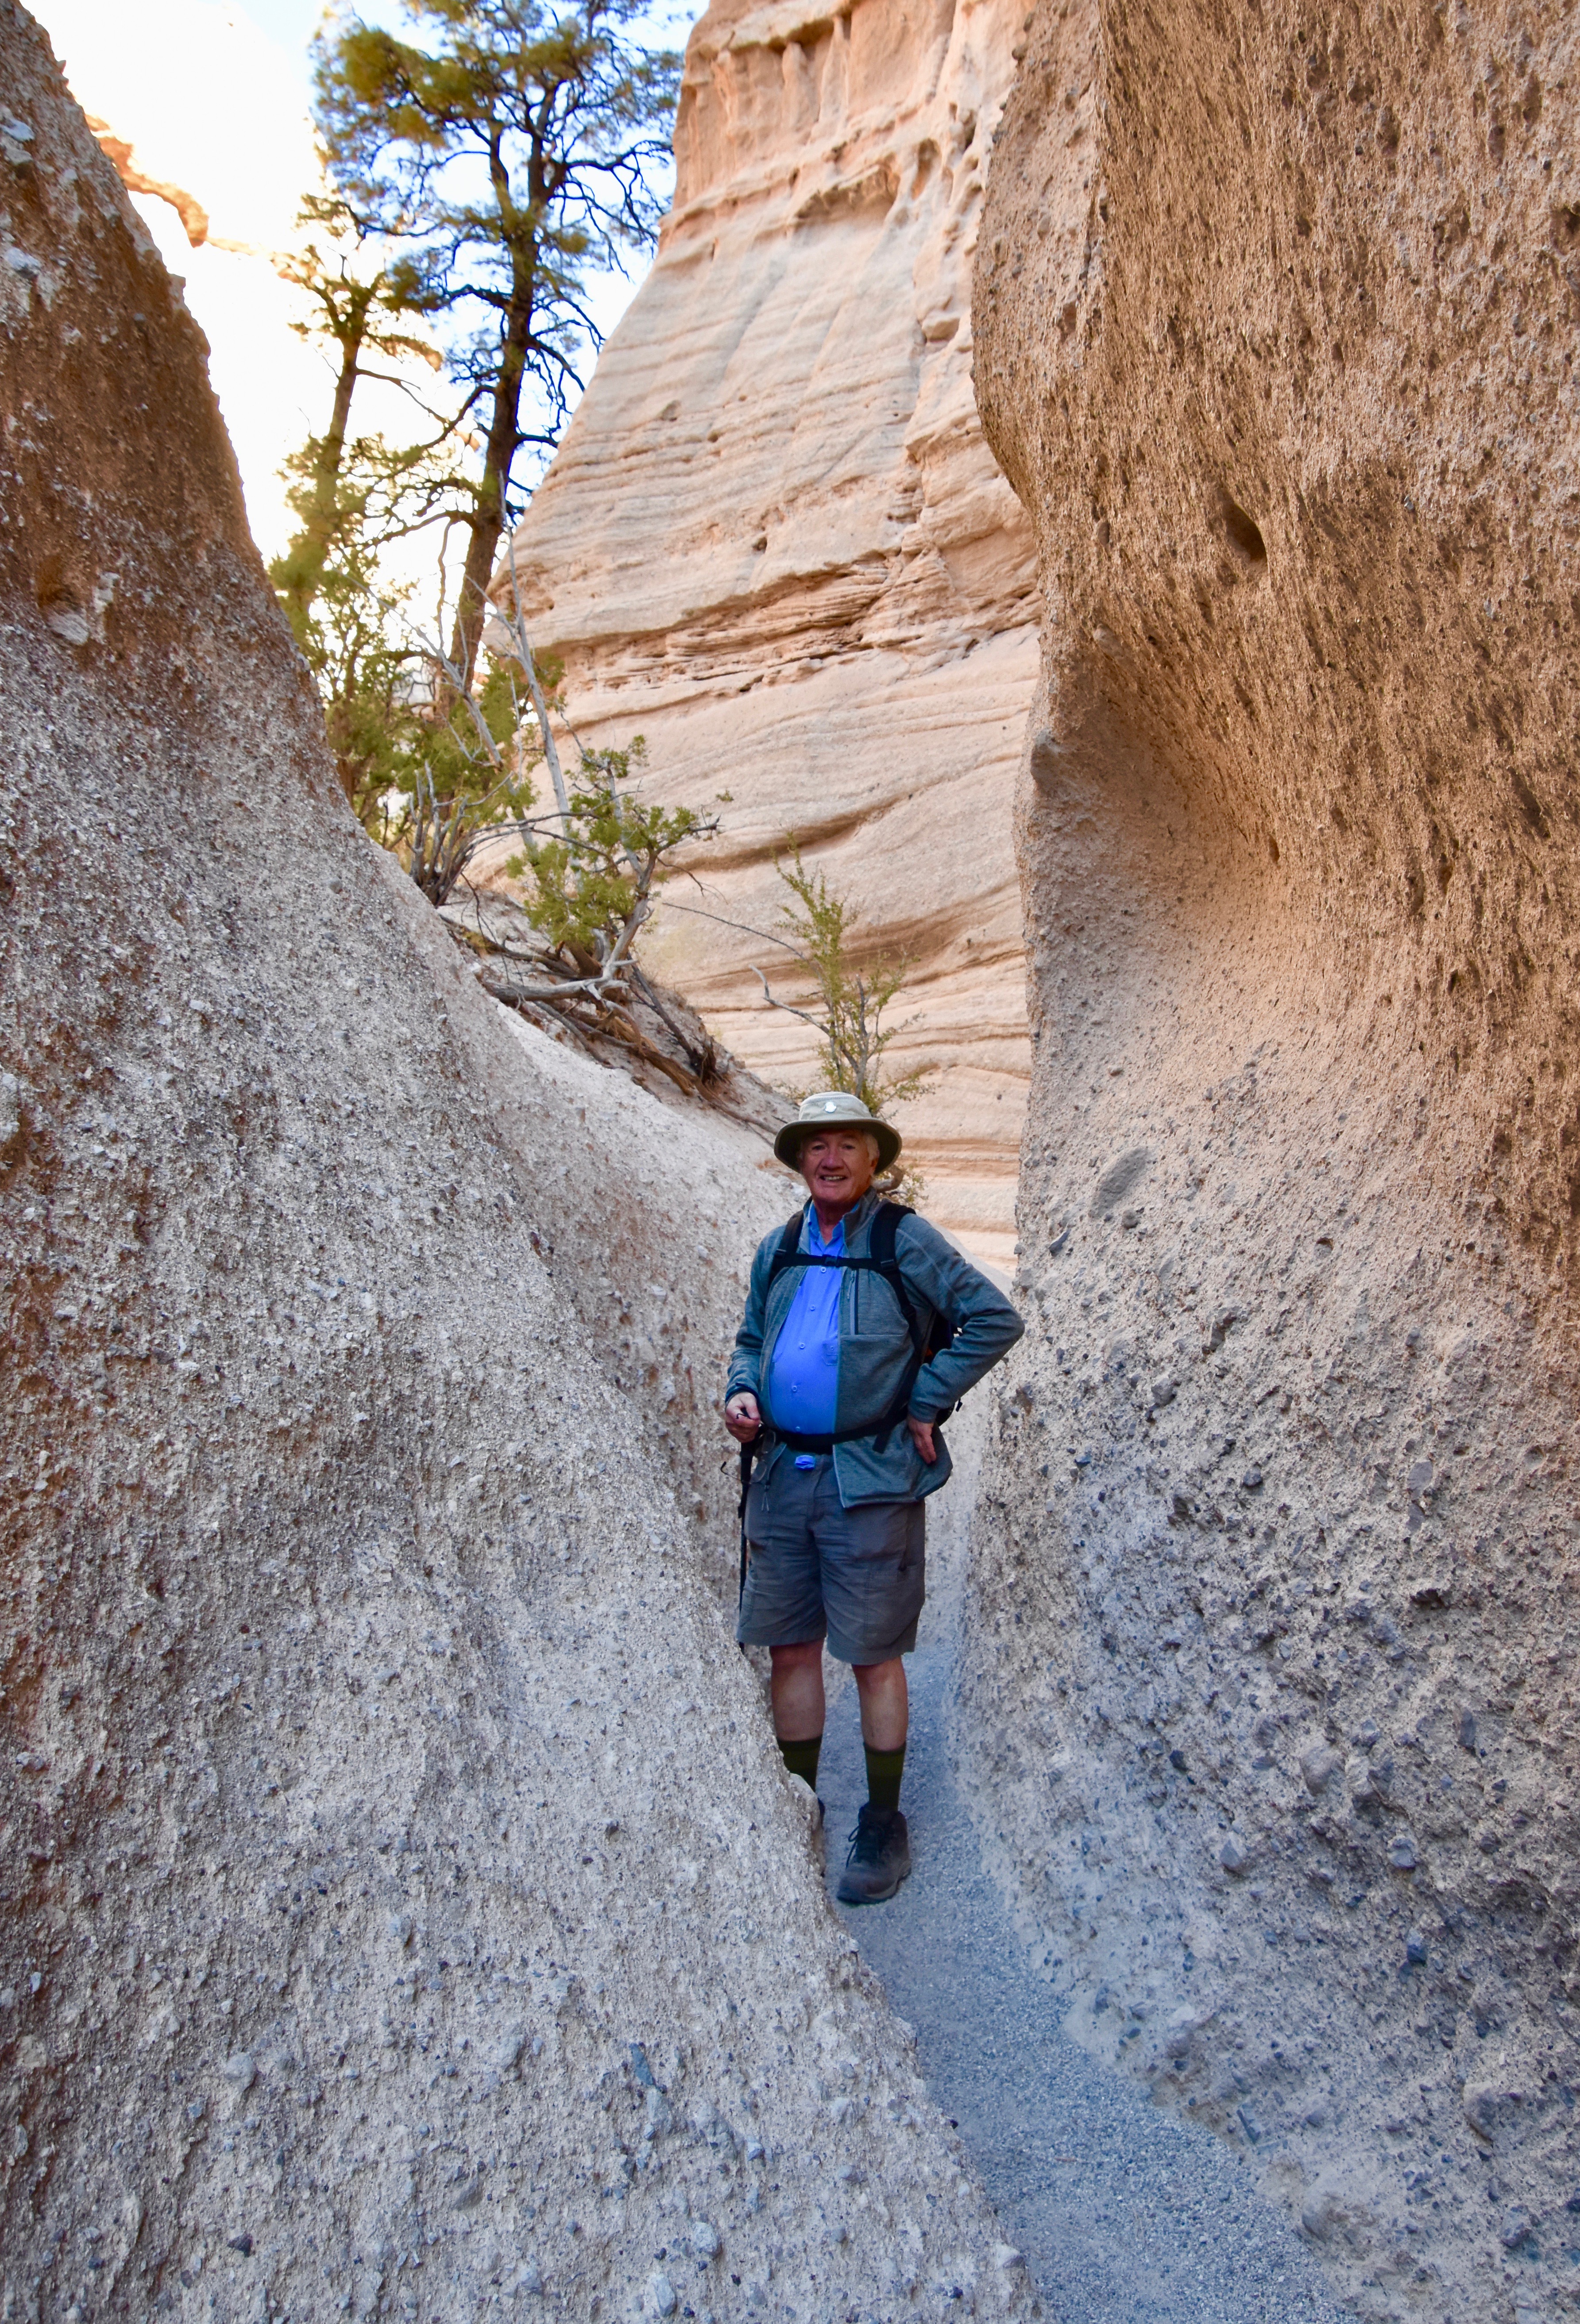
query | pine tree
(358,307)
(508,150)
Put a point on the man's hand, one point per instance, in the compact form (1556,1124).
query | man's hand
(742,1417)
(921,1436)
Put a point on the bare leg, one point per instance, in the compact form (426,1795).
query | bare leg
(885,1704)
(796,1690)
(880,1846)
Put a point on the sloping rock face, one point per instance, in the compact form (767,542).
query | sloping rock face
(774,544)
(1274,1631)
(403,1905)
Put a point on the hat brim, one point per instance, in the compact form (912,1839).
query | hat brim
(788,1145)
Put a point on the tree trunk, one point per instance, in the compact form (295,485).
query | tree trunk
(505,429)
(487,524)
(301,569)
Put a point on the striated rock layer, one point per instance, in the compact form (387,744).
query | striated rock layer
(1274,1633)
(774,543)
(403,1904)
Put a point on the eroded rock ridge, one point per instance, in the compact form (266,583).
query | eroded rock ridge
(1274,1662)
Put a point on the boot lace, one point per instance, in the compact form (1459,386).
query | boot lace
(868,1840)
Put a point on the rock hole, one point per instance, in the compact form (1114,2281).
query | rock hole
(1245,534)
(1530,806)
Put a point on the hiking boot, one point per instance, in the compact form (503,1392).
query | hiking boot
(878,1858)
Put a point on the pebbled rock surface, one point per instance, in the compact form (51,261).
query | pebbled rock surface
(405,1912)
(1270,1685)
(774,543)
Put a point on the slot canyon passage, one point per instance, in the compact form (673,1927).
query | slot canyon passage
(405,1911)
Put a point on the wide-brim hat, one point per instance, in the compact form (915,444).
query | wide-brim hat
(835,1110)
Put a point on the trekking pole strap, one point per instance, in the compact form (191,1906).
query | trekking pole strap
(748,1454)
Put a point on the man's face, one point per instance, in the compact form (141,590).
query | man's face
(838,1166)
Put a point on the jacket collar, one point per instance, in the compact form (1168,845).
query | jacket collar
(856,1221)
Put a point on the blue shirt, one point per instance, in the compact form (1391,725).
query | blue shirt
(803,1379)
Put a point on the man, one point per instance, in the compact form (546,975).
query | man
(841,1394)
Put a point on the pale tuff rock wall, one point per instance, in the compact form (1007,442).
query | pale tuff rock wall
(404,1906)
(1274,1660)
(774,543)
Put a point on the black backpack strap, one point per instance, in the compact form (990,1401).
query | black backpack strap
(785,1249)
(881,1254)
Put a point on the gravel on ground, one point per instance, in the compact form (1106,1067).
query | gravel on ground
(1124,2215)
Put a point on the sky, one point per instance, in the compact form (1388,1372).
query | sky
(213,95)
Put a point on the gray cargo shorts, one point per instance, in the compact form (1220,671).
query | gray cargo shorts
(817,1569)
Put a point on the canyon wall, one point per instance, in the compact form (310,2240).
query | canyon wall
(404,1908)
(1273,1664)
(774,543)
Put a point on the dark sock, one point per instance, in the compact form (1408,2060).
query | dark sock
(884,1769)
(801,1759)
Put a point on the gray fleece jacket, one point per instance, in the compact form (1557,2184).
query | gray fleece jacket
(875,1348)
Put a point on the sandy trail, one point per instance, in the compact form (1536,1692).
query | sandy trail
(1124,2215)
